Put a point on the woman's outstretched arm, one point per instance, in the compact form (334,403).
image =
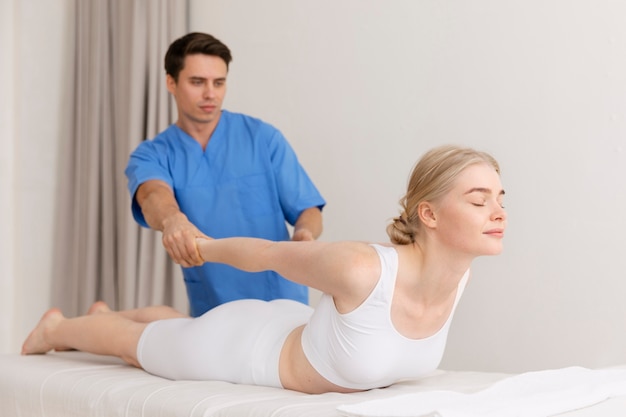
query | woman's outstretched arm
(336,268)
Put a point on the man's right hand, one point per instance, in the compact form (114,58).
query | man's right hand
(161,211)
(179,240)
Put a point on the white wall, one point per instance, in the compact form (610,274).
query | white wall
(33,41)
(363,87)
(7,188)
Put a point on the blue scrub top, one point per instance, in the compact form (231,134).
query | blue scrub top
(247,182)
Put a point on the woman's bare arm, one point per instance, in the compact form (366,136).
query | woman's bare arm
(339,268)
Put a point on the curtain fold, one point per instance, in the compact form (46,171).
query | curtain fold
(119,99)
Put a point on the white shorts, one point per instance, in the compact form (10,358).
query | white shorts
(237,342)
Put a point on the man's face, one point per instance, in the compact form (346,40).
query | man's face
(200,89)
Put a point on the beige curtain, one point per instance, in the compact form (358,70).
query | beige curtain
(118,99)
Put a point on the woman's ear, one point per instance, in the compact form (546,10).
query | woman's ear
(426,213)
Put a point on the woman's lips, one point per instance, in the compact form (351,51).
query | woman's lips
(495,232)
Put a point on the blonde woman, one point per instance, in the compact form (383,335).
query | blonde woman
(383,316)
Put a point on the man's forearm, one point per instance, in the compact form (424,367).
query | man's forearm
(157,203)
(311,220)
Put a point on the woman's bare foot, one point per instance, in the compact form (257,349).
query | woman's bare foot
(96,308)
(35,342)
(99,307)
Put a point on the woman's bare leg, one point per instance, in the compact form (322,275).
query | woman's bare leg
(103,333)
(141,315)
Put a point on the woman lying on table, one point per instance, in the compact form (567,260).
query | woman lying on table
(383,316)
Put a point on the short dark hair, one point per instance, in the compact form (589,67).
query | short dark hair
(190,44)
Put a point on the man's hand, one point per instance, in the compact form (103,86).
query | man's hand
(161,211)
(179,240)
(302,235)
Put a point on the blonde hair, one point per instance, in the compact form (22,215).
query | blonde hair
(432,177)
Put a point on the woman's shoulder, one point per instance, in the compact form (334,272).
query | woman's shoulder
(364,251)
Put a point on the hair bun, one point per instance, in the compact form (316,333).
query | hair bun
(400,231)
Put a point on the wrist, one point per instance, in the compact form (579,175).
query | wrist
(173,218)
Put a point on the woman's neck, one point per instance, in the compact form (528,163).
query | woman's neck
(432,275)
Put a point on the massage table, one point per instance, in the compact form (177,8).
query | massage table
(78,384)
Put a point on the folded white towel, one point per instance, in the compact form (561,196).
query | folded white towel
(532,394)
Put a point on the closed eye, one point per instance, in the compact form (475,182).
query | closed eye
(485,192)
(483,204)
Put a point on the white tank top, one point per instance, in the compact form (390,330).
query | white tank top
(362,349)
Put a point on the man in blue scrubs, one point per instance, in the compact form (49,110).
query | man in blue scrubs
(217,173)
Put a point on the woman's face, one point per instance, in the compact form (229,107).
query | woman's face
(470,218)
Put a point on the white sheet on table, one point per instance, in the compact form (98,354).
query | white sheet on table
(532,394)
